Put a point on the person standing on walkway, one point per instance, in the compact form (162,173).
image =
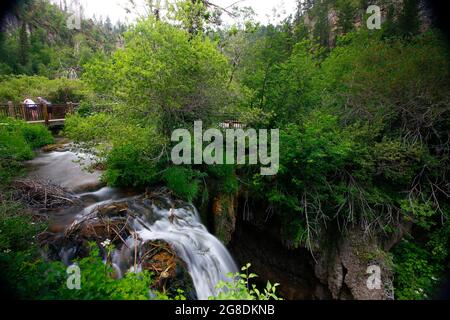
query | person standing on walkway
(42,101)
(31,105)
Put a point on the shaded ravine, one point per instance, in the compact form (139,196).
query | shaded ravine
(175,222)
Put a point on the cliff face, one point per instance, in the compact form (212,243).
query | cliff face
(224,212)
(342,267)
(327,15)
(348,270)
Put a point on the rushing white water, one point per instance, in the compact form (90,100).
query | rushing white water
(207,259)
(63,168)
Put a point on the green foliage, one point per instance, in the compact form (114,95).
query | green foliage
(131,152)
(399,162)
(295,94)
(226,177)
(161,71)
(240,288)
(13,144)
(417,271)
(17,141)
(347,11)
(24,274)
(84,109)
(421,261)
(16,88)
(17,227)
(39,41)
(316,148)
(127,166)
(364,121)
(347,147)
(184,182)
(37,135)
(374,80)
(95,128)
(310,155)
(421,213)
(97,282)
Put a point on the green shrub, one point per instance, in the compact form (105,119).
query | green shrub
(97,282)
(240,288)
(37,135)
(127,165)
(15,88)
(24,275)
(17,141)
(416,273)
(94,128)
(225,174)
(84,109)
(13,145)
(184,182)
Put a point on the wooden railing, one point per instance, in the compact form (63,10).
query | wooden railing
(231,124)
(38,113)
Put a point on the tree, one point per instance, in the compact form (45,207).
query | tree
(409,21)
(164,73)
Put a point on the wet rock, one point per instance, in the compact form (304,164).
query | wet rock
(337,269)
(55,147)
(224,211)
(114,209)
(343,269)
(169,271)
(99,166)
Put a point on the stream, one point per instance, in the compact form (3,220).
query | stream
(206,258)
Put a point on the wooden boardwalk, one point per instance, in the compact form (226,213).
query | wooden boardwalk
(55,114)
(51,115)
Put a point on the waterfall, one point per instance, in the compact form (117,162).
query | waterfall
(207,259)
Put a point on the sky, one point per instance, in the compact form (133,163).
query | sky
(114,9)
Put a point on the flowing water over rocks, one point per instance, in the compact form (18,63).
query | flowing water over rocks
(150,231)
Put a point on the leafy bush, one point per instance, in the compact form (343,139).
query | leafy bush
(239,288)
(421,263)
(226,176)
(17,141)
(132,153)
(24,274)
(13,145)
(127,165)
(184,182)
(97,282)
(15,88)
(84,109)
(95,128)
(155,81)
(416,271)
(37,135)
